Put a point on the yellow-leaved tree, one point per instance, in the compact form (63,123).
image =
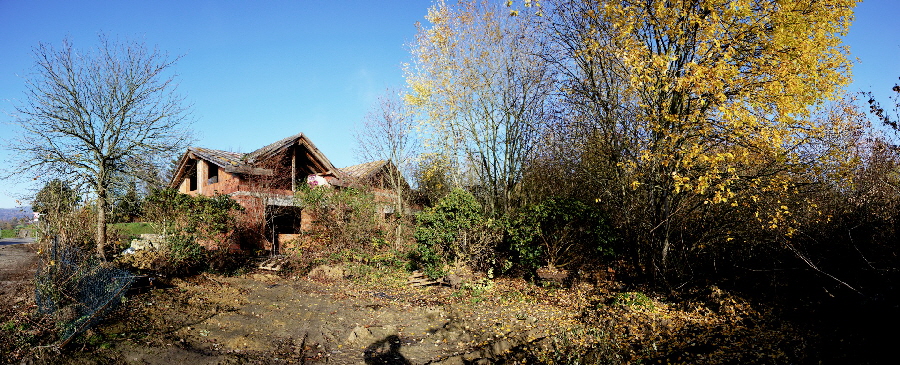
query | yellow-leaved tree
(706,108)
(481,87)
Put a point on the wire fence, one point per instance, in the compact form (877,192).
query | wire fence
(76,289)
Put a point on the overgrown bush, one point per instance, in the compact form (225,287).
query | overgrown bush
(189,223)
(455,231)
(74,227)
(344,226)
(63,217)
(560,233)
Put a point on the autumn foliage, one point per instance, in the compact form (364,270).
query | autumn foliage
(715,137)
(701,130)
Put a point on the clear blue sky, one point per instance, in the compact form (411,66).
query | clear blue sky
(259,71)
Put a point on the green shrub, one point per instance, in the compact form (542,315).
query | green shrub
(559,232)
(345,222)
(184,250)
(186,221)
(455,231)
(633,299)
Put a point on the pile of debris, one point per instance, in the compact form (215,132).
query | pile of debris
(273,263)
(418,278)
(147,242)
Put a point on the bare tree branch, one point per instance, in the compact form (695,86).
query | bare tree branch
(98,116)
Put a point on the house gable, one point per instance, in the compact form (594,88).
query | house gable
(264,182)
(281,164)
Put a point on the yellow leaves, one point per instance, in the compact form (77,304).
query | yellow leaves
(703,183)
(646,155)
(719,198)
(420,93)
(790,231)
(681,183)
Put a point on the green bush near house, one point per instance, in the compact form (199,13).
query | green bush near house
(560,232)
(455,231)
(186,221)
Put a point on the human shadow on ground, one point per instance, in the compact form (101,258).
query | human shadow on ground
(385,352)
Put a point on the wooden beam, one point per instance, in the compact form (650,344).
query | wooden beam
(294,169)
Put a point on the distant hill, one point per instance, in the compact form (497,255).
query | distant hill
(12,213)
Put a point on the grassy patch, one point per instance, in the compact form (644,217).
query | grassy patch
(377,276)
(7,233)
(134,230)
(633,299)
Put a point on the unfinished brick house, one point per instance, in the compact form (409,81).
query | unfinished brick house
(264,182)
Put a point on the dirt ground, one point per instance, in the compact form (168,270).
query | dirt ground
(364,314)
(18,263)
(265,318)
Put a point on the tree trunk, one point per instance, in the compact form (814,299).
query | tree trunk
(101,223)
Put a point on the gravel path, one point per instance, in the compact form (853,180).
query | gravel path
(15,241)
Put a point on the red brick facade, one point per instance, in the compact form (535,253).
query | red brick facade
(264,181)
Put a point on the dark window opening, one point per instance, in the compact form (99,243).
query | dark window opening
(213,175)
(190,175)
(285,220)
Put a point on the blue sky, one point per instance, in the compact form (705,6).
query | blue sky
(259,71)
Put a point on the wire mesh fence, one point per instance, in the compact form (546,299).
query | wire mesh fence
(76,289)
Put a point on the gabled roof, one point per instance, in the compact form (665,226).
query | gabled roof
(248,163)
(278,147)
(223,159)
(363,173)
(273,148)
(364,170)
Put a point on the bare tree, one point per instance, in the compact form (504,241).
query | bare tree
(386,134)
(483,90)
(97,116)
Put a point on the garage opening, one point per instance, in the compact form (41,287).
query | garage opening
(285,226)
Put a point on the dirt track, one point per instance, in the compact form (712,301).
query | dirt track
(18,263)
(262,318)
(265,318)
